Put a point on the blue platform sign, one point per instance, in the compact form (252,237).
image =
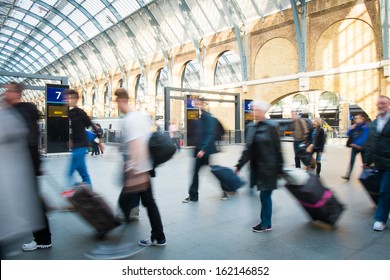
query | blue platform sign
(55,93)
(247,105)
(190,102)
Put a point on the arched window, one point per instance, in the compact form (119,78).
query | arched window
(299,102)
(94,102)
(191,76)
(161,82)
(328,100)
(140,88)
(228,69)
(140,93)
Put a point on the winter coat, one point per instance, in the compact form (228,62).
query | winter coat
(20,208)
(359,134)
(377,149)
(205,134)
(263,150)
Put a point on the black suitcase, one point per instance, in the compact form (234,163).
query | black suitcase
(318,201)
(93,208)
(370,181)
(229,180)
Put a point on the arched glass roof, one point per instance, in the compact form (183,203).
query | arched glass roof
(81,38)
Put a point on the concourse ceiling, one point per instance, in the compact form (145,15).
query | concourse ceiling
(81,38)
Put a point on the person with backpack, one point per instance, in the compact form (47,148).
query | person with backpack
(358,133)
(204,147)
(300,135)
(138,164)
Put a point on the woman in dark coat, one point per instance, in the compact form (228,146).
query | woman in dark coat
(263,150)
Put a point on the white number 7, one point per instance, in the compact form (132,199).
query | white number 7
(59,94)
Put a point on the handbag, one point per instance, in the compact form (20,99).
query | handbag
(136,183)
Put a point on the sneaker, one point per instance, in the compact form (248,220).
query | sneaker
(34,246)
(149,242)
(225,196)
(379,226)
(189,199)
(260,228)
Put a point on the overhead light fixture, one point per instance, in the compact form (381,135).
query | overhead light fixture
(42,9)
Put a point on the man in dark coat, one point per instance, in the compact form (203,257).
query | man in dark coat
(377,152)
(204,147)
(263,150)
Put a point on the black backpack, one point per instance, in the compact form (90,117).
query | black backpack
(161,148)
(219,130)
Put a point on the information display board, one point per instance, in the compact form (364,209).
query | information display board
(192,119)
(57,122)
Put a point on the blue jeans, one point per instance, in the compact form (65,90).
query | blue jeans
(266,208)
(383,208)
(78,164)
(296,153)
(354,153)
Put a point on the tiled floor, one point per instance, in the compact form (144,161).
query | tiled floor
(212,229)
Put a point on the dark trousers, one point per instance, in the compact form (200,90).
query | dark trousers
(128,201)
(147,200)
(43,236)
(194,187)
(296,154)
(95,148)
(354,153)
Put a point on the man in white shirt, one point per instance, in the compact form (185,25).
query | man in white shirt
(136,134)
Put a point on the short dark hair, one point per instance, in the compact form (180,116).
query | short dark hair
(121,93)
(18,86)
(72,92)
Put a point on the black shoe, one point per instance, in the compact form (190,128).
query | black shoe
(261,228)
(189,199)
(345,177)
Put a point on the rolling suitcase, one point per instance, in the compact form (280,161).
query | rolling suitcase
(370,181)
(318,201)
(93,208)
(229,180)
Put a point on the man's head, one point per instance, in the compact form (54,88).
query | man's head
(122,99)
(294,115)
(13,92)
(383,105)
(71,97)
(259,109)
(200,103)
(359,118)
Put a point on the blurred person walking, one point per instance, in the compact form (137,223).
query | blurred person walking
(263,150)
(300,135)
(317,144)
(138,164)
(100,137)
(358,133)
(204,147)
(79,144)
(377,152)
(21,210)
(30,114)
